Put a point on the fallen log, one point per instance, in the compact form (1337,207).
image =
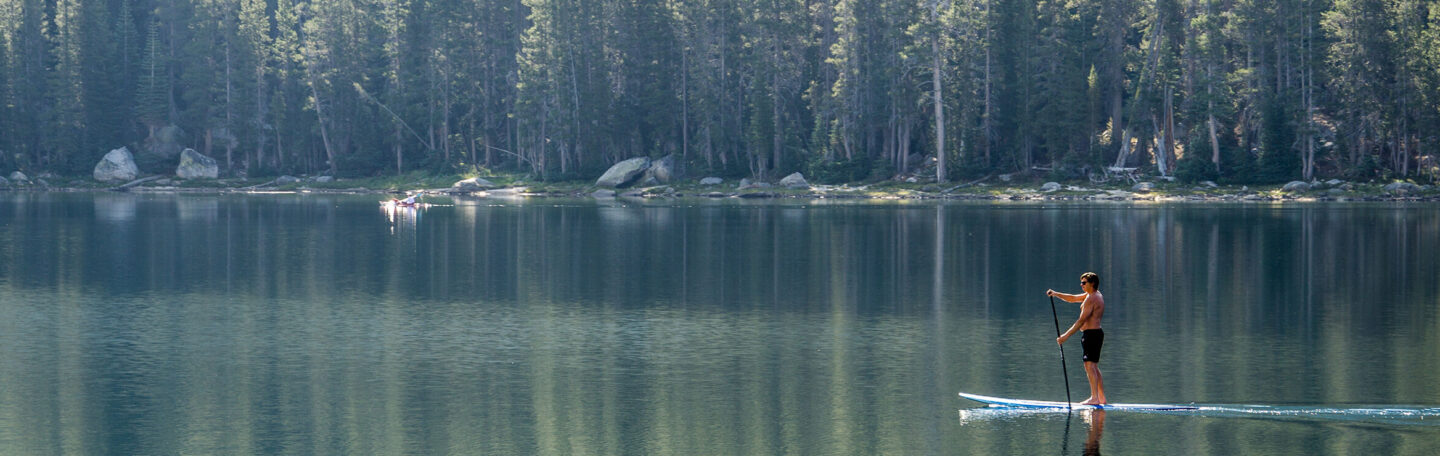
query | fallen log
(133,183)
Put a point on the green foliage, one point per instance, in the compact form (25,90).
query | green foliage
(1193,168)
(839,171)
(562,89)
(1279,162)
(152,91)
(1369,168)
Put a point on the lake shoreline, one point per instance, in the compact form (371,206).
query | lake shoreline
(1163,192)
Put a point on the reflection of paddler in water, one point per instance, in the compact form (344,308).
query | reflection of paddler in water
(1096,419)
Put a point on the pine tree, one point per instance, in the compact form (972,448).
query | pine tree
(152,89)
(65,122)
(253,42)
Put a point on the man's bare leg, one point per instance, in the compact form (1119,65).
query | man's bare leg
(1097,384)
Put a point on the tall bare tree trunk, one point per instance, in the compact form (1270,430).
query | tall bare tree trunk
(229,145)
(260,115)
(1170,157)
(939,98)
(775,107)
(324,132)
(684,106)
(1214,142)
(985,118)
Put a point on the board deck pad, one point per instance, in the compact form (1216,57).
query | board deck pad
(1025,403)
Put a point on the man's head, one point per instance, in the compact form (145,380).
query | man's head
(1090,281)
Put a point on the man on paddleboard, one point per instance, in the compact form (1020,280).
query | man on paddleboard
(1092,307)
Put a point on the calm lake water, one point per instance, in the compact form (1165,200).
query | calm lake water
(321,324)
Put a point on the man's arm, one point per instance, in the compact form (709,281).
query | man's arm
(1066,297)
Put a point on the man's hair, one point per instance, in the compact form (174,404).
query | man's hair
(1091,278)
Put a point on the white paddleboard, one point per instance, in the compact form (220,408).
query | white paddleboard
(1025,403)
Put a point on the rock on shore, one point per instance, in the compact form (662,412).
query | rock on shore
(625,173)
(1402,188)
(794,180)
(472,185)
(117,166)
(195,165)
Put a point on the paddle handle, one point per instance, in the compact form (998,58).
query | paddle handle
(1063,371)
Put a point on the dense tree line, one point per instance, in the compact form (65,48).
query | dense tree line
(1239,90)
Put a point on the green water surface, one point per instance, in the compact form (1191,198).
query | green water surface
(322,324)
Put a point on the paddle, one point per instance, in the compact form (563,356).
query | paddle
(1063,370)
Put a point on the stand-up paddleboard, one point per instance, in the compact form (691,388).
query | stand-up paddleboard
(1023,403)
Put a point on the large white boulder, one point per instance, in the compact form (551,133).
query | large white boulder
(625,173)
(195,165)
(1402,188)
(117,166)
(794,180)
(473,184)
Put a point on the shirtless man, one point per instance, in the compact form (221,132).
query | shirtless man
(1092,307)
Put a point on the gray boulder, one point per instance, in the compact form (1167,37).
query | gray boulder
(1402,187)
(324,179)
(625,173)
(1050,187)
(1210,184)
(19,177)
(1334,182)
(1296,186)
(603,193)
(794,180)
(195,165)
(746,183)
(161,148)
(661,171)
(712,181)
(117,166)
(282,180)
(1143,187)
(473,184)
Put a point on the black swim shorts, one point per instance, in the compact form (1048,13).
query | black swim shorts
(1090,342)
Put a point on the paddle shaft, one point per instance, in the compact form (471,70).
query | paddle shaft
(1063,370)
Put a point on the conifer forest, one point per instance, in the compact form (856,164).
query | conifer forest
(842,90)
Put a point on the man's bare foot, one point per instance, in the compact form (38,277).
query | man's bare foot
(1093,401)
